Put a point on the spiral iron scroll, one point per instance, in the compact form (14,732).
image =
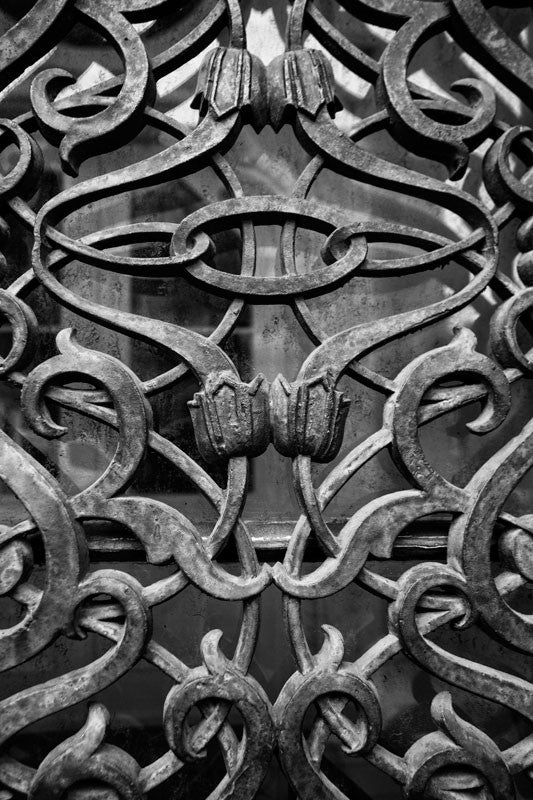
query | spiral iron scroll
(303,416)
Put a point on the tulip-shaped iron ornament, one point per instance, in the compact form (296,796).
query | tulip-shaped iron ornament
(300,80)
(307,417)
(230,417)
(232,79)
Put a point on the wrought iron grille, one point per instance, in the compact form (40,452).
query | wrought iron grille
(444,545)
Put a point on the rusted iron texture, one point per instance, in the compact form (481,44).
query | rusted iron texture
(302,416)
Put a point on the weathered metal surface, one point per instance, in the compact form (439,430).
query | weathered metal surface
(304,417)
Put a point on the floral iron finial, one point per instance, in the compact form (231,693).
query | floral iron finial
(307,417)
(230,417)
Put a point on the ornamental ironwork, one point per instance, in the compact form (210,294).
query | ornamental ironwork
(462,552)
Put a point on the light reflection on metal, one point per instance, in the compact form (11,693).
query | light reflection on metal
(303,418)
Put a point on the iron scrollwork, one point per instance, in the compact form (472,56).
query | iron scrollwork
(302,416)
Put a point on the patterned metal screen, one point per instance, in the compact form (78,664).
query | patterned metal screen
(266,342)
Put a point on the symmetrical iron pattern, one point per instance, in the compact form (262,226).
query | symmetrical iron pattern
(303,417)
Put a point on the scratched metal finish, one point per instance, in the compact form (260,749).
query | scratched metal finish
(302,416)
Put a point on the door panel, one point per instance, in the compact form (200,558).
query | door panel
(265,400)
